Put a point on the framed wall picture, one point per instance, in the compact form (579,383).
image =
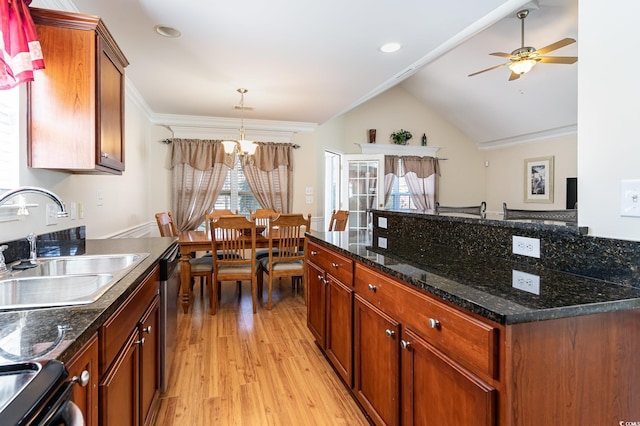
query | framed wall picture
(538,180)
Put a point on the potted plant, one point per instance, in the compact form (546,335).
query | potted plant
(401,137)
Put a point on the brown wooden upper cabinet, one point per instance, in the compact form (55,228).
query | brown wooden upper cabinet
(76,104)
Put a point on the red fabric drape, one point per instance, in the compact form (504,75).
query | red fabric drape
(20,51)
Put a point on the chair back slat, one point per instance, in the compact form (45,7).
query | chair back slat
(291,229)
(230,242)
(262,216)
(339,219)
(166,224)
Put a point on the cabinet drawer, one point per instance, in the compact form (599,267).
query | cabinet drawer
(338,266)
(469,341)
(116,329)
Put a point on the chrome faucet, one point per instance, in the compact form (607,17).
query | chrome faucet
(33,255)
(4,197)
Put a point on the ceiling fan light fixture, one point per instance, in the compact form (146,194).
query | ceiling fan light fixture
(522,66)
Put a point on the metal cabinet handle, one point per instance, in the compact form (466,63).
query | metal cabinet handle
(147,330)
(434,323)
(83,380)
(313,252)
(389,333)
(139,342)
(104,155)
(335,265)
(320,277)
(373,288)
(405,344)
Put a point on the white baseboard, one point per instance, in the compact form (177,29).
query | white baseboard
(144,230)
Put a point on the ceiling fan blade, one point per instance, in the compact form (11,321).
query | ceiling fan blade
(489,69)
(514,76)
(557,59)
(557,45)
(501,54)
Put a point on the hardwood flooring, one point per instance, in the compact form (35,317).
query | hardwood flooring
(237,368)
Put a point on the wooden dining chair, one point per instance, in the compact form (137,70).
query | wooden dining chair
(201,267)
(288,261)
(236,258)
(339,220)
(262,217)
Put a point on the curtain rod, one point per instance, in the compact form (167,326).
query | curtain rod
(168,141)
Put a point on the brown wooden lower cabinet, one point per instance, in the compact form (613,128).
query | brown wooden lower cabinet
(119,397)
(438,391)
(86,397)
(377,363)
(130,358)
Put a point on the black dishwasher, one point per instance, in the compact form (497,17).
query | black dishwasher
(169,290)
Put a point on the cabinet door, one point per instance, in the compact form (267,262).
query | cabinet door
(377,363)
(149,361)
(86,397)
(316,303)
(339,342)
(438,391)
(110,150)
(119,403)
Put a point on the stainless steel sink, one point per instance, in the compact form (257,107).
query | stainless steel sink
(74,265)
(42,292)
(64,281)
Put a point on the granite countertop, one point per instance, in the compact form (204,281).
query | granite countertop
(483,284)
(27,333)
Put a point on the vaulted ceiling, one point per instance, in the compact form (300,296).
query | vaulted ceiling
(311,61)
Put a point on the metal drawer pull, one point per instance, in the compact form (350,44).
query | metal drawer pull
(335,265)
(372,287)
(320,277)
(389,333)
(104,155)
(405,344)
(147,330)
(139,342)
(313,252)
(83,380)
(434,323)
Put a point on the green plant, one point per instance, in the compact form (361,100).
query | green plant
(401,137)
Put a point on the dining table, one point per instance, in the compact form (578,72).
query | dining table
(193,241)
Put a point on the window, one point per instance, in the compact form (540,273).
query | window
(400,198)
(236,194)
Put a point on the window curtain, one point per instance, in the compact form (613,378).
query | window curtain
(420,174)
(391,170)
(20,52)
(199,171)
(269,173)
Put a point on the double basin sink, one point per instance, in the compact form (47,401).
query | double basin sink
(65,281)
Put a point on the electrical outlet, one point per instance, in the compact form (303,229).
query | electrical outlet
(80,211)
(526,246)
(630,198)
(382,242)
(51,217)
(526,282)
(382,222)
(99,198)
(73,211)
(309,199)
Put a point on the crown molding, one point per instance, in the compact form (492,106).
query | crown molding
(529,137)
(392,149)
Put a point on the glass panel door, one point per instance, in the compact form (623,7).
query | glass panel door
(364,179)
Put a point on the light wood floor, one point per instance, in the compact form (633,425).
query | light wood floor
(237,368)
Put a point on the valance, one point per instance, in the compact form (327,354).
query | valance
(20,51)
(423,167)
(271,155)
(201,154)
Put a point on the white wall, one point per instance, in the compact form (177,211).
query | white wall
(504,177)
(608,114)
(462,180)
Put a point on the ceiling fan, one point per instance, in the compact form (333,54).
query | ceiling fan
(523,59)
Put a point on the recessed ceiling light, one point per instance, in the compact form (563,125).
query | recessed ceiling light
(390,47)
(165,31)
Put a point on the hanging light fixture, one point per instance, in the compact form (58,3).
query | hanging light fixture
(242,145)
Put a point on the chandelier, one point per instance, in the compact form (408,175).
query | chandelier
(242,146)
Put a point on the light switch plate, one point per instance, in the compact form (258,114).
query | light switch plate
(51,214)
(526,246)
(630,197)
(382,242)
